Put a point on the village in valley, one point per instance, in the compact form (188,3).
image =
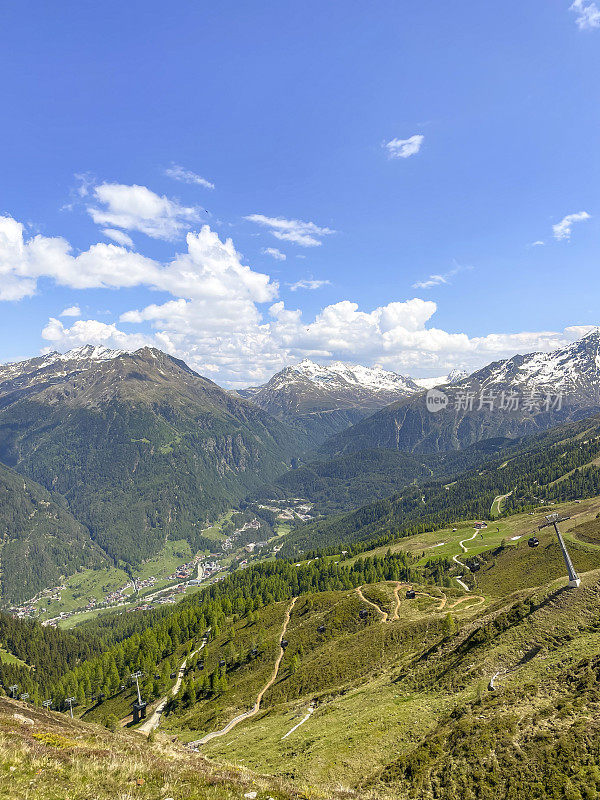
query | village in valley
(235,547)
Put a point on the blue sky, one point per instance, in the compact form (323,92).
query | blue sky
(157,161)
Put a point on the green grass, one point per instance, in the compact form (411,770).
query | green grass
(376,698)
(81,587)
(55,757)
(348,737)
(588,532)
(8,658)
(521,567)
(282,528)
(97,583)
(444,543)
(347,671)
(215,532)
(383,691)
(245,675)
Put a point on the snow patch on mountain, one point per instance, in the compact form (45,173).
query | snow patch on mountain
(454,376)
(76,359)
(573,369)
(345,376)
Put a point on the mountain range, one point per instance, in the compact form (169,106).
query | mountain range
(132,449)
(322,400)
(136,446)
(515,397)
(452,647)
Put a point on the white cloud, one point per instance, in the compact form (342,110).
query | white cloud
(215,318)
(91,331)
(308,283)
(404,148)
(538,243)
(274,253)
(430,282)
(120,237)
(186,176)
(440,279)
(86,181)
(563,229)
(137,208)
(306,234)
(588,14)
(71,311)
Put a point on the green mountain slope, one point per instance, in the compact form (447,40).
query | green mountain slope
(438,696)
(44,755)
(558,465)
(350,480)
(400,705)
(140,446)
(41,541)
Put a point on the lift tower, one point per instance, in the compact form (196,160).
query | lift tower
(139,708)
(70,701)
(554,519)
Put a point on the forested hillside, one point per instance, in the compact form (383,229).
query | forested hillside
(556,466)
(140,446)
(442,692)
(350,480)
(40,540)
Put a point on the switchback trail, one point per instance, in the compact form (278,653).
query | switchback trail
(383,614)
(395,615)
(256,707)
(462,544)
(457,560)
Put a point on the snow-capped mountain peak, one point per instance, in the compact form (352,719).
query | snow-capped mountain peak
(324,399)
(344,375)
(572,369)
(456,375)
(72,361)
(89,352)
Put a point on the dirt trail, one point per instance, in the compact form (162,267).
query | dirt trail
(498,500)
(395,612)
(443,600)
(154,720)
(383,614)
(395,615)
(477,597)
(256,707)
(469,539)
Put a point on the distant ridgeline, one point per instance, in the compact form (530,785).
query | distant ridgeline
(350,480)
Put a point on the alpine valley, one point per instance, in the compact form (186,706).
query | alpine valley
(319,584)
